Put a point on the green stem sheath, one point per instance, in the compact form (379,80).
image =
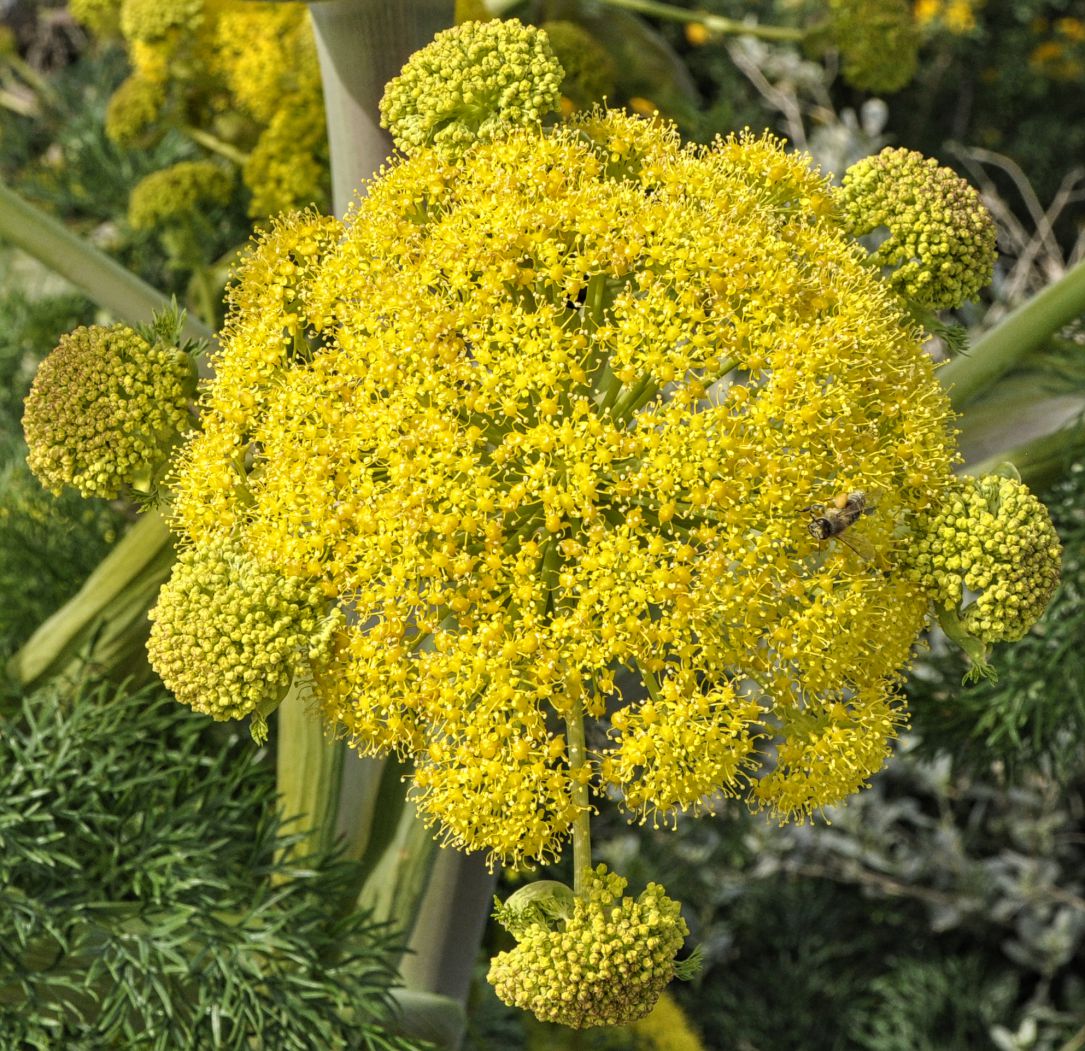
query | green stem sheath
(1023,331)
(104,280)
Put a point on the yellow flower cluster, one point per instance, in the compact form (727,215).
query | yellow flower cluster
(989,547)
(957,16)
(178,193)
(245,72)
(229,634)
(605,964)
(106,409)
(878,42)
(555,418)
(941,242)
(471,82)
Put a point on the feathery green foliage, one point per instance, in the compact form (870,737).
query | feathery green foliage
(144,904)
(48,545)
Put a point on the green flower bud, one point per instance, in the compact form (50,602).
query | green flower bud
(878,42)
(101,17)
(228,633)
(589,69)
(467,84)
(133,109)
(175,194)
(148,20)
(989,553)
(605,964)
(105,410)
(940,249)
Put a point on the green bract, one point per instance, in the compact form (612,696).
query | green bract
(471,82)
(940,246)
(105,410)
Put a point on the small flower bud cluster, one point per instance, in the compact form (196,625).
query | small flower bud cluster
(228,634)
(153,19)
(941,243)
(133,109)
(606,964)
(177,193)
(100,16)
(990,537)
(105,410)
(471,82)
(878,42)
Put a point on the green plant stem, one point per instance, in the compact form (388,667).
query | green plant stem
(1039,461)
(207,296)
(216,145)
(362,44)
(1023,331)
(104,280)
(578,765)
(715,24)
(104,627)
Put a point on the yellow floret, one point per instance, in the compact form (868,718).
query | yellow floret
(106,409)
(472,82)
(288,165)
(149,20)
(133,109)
(99,16)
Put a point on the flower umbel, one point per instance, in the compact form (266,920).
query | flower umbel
(473,81)
(553,415)
(940,248)
(105,410)
(605,963)
(228,634)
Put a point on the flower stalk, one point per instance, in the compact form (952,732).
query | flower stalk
(579,774)
(105,281)
(715,24)
(1023,331)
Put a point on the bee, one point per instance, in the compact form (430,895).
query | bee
(831,519)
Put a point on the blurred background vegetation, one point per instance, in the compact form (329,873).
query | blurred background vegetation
(944,909)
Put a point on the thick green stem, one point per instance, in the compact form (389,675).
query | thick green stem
(217,146)
(105,281)
(104,627)
(363,44)
(578,770)
(1019,334)
(715,24)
